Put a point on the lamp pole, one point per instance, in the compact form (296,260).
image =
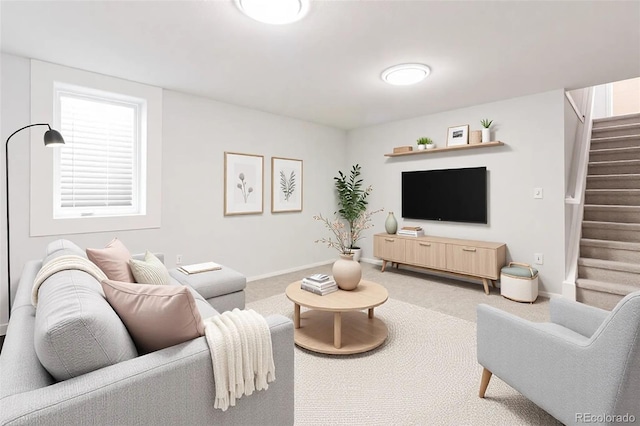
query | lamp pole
(52,138)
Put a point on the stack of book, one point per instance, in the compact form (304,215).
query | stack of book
(411,231)
(319,284)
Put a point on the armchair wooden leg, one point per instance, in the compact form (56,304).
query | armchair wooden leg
(484,382)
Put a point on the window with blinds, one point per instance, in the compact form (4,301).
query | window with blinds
(98,169)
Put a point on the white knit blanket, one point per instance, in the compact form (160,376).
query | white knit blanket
(64,263)
(241,353)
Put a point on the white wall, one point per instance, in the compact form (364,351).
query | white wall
(532,129)
(196,132)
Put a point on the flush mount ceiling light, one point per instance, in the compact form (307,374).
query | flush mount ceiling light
(405,74)
(274,11)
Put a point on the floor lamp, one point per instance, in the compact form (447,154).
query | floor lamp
(52,138)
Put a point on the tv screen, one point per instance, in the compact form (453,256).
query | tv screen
(454,195)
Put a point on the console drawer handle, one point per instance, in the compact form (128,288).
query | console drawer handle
(389,239)
(468,249)
(425,244)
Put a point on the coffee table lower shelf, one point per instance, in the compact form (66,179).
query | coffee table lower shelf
(358,332)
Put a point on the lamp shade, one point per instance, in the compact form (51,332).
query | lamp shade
(53,138)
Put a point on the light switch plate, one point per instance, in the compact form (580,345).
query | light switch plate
(537,192)
(539,258)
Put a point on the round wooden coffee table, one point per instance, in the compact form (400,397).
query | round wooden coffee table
(336,324)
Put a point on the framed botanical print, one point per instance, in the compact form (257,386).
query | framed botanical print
(243,183)
(286,185)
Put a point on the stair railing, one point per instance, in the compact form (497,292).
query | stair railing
(574,194)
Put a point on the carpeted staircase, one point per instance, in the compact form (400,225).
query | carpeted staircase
(609,263)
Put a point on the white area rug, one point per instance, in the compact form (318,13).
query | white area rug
(425,373)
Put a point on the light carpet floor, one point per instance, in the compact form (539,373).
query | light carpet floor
(425,373)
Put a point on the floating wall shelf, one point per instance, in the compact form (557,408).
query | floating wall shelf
(448,148)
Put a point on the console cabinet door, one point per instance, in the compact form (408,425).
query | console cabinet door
(389,248)
(472,260)
(427,254)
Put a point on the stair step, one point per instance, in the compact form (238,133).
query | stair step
(617,251)
(616,120)
(616,130)
(615,142)
(611,231)
(630,181)
(619,197)
(606,287)
(609,271)
(618,167)
(611,213)
(603,295)
(613,154)
(611,265)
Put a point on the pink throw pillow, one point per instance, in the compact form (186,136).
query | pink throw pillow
(113,260)
(156,316)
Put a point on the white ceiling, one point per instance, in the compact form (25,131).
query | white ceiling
(326,68)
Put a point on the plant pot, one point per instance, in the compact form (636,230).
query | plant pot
(347,272)
(486,135)
(421,148)
(357,253)
(431,146)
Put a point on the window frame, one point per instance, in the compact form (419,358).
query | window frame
(139,182)
(42,186)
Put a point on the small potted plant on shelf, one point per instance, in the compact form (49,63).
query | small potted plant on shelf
(425,143)
(486,133)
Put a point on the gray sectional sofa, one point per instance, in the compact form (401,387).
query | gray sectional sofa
(100,377)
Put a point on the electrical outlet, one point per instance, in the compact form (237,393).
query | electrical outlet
(178,259)
(537,192)
(539,258)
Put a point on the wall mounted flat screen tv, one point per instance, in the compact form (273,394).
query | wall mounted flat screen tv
(453,195)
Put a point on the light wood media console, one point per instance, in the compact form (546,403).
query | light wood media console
(468,258)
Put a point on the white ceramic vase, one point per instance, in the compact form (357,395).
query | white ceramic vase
(431,146)
(421,147)
(347,272)
(486,135)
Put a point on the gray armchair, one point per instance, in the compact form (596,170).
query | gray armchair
(583,364)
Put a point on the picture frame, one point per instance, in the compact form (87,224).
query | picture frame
(243,183)
(286,185)
(458,135)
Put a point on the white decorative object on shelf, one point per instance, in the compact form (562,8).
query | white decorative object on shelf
(486,132)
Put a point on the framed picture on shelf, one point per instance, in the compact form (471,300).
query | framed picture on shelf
(286,185)
(243,183)
(458,135)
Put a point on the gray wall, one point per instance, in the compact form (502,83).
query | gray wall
(532,129)
(196,132)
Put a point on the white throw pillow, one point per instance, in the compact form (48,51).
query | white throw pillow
(151,270)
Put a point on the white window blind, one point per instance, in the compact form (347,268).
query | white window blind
(98,168)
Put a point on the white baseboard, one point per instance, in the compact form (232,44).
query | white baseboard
(287,271)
